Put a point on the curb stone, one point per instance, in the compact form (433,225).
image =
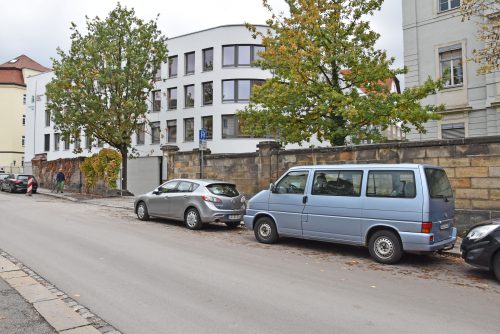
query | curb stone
(61,312)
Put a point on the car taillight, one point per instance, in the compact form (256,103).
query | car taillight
(212,199)
(426,227)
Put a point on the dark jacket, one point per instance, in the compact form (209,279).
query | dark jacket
(60,177)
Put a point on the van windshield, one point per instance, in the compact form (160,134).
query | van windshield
(439,186)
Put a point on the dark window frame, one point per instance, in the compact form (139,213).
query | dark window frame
(186,63)
(155,137)
(449,4)
(211,66)
(186,139)
(156,104)
(170,66)
(203,91)
(46,142)
(170,104)
(235,62)
(170,138)
(190,105)
(236,98)
(140,134)
(209,130)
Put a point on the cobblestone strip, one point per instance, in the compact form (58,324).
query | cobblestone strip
(101,325)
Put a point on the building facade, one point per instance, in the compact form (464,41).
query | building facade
(436,40)
(13,76)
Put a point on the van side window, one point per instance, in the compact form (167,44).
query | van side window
(337,183)
(292,183)
(399,184)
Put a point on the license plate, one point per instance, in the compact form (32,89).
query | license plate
(444,226)
(234,217)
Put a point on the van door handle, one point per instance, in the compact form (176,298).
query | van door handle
(304,199)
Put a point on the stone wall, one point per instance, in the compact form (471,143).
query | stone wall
(472,164)
(45,172)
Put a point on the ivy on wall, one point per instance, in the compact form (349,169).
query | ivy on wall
(104,166)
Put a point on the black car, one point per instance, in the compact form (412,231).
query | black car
(481,247)
(18,183)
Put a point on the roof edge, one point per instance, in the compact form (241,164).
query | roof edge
(217,27)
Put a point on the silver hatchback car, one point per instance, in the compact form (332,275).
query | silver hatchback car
(196,202)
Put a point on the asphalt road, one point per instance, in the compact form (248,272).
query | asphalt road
(158,277)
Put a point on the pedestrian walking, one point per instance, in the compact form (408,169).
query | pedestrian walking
(60,178)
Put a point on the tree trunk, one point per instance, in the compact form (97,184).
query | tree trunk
(124,153)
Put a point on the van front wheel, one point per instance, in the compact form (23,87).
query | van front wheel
(385,247)
(265,230)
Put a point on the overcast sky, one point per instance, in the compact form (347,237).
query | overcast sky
(37,27)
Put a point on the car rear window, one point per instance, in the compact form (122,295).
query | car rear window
(22,177)
(223,189)
(439,186)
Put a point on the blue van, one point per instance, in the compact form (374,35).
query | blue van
(390,208)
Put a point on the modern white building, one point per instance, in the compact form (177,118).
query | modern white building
(435,39)
(208,78)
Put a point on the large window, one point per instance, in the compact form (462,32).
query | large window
(88,140)
(57,139)
(448,4)
(207,124)
(140,132)
(391,184)
(156,100)
(172,131)
(208,93)
(189,96)
(238,90)
(450,59)
(453,130)
(231,127)
(172,66)
(46,142)
(172,98)
(155,132)
(189,63)
(208,59)
(240,55)
(337,183)
(189,129)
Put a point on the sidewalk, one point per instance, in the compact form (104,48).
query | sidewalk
(123,202)
(127,202)
(28,306)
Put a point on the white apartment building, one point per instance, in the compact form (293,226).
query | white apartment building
(435,38)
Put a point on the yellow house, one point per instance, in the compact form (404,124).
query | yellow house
(12,110)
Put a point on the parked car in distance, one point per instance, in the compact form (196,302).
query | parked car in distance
(481,247)
(390,208)
(196,202)
(18,183)
(3,176)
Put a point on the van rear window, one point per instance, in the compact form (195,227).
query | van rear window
(391,183)
(439,185)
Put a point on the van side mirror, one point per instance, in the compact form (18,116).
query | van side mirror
(272,188)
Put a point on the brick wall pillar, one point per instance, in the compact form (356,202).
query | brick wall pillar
(268,166)
(169,152)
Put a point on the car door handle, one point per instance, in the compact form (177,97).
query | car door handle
(185,196)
